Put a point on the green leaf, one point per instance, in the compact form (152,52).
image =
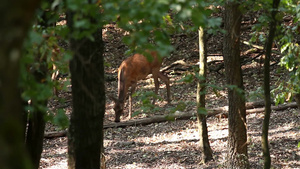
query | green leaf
(202,110)
(285,47)
(181,106)
(55,4)
(185,13)
(35,37)
(136,113)
(170,117)
(199,77)
(83,23)
(187,78)
(61,119)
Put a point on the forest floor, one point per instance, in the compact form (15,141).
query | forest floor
(174,144)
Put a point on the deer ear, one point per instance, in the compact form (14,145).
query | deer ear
(112,98)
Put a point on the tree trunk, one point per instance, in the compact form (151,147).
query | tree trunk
(201,118)
(237,136)
(16,18)
(297,99)
(268,50)
(87,73)
(35,136)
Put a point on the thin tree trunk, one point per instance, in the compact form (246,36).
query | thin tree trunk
(35,136)
(85,139)
(237,136)
(265,129)
(16,18)
(297,99)
(201,118)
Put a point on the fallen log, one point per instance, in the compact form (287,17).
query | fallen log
(252,107)
(277,108)
(176,63)
(54,134)
(149,120)
(256,104)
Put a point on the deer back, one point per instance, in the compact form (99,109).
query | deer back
(135,68)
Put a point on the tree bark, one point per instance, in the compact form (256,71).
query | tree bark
(237,136)
(297,99)
(85,141)
(16,18)
(201,118)
(268,50)
(35,136)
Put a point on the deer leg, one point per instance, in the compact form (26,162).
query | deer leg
(166,80)
(132,90)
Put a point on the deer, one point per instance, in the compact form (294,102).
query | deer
(132,70)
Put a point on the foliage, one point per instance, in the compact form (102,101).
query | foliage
(145,105)
(47,35)
(42,49)
(286,39)
(289,47)
(84,27)
(202,110)
(192,77)
(259,29)
(151,29)
(258,94)
(144,102)
(171,111)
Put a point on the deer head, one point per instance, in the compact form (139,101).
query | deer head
(118,108)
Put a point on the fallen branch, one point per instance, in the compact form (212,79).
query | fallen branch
(221,65)
(176,63)
(149,120)
(252,107)
(253,45)
(54,134)
(249,51)
(277,108)
(259,47)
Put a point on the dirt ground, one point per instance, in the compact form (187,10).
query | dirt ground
(174,144)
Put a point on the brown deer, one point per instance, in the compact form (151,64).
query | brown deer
(133,69)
